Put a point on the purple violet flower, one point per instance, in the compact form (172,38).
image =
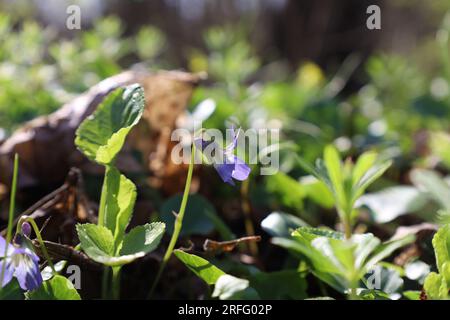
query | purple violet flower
(21,263)
(227,165)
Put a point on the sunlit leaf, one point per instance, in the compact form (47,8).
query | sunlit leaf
(279,224)
(390,203)
(201,267)
(102,135)
(142,239)
(120,199)
(228,287)
(57,288)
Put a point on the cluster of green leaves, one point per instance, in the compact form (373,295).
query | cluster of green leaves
(437,285)
(347,181)
(341,263)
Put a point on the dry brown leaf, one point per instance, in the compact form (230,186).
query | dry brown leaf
(46,144)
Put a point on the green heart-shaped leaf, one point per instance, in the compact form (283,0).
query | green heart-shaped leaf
(101,136)
(57,288)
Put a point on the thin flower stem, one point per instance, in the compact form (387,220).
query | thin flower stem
(31,221)
(246,208)
(178,223)
(11,214)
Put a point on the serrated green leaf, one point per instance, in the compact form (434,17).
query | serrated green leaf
(441,245)
(57,288)
(435,287)
(102,135)
(142,239)
(201,267)
(96,241)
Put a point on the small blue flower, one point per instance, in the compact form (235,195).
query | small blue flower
(21,263)
(227,165)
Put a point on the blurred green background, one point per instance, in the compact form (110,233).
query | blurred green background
(311,68)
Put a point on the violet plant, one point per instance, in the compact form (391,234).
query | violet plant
(100,137)
(19,261)
(227,165)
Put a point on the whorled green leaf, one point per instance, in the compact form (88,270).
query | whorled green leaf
(202,268)
(333,165)
(346,182)
(57,288)
(120,200)
(101,136)
(335,260)
(363,164)
(368,178)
